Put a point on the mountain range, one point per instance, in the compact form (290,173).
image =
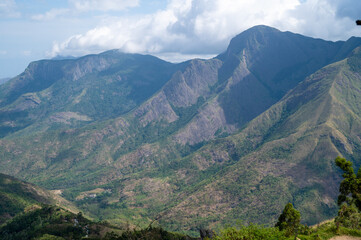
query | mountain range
(131,138)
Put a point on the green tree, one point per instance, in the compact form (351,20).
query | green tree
(349,199)
(289,220)
(348,216)
(350,187)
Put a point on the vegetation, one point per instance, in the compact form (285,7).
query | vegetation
(254,232)
(323,231)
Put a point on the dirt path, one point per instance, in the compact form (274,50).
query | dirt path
(345,238)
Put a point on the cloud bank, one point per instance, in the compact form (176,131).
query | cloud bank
(103,5)
(8,9)
(204,27)
(77,7)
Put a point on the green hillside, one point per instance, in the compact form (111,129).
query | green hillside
(131,139)
(17,196)
(29,212)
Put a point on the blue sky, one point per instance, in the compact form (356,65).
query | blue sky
(174,30)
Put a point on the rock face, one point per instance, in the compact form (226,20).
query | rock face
(156,109)
(196,81)
(244,128)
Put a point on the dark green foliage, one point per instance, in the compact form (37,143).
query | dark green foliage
(150,233)
(350,187)
(348,216)
(289,220)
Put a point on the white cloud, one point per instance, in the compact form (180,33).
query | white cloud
(52,14)
(27,53)
(8,9)
(3,52)
(80,6)
(103,5)
(325,19)
(206,26)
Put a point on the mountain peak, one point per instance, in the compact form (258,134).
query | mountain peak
(251,38)
(261,28)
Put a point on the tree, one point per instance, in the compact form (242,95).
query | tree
(348,216)
(289,220)
(349,199)
(350,187)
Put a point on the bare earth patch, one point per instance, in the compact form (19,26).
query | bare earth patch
(345,238)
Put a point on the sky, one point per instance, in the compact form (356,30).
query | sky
(174,30)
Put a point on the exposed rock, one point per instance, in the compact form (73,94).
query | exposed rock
(66,117)
(204,125)
(156,109)
(184,89)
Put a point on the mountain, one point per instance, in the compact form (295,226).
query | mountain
(73,92)
(132,138)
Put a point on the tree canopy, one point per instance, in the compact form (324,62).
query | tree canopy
(350,187)
(289,220)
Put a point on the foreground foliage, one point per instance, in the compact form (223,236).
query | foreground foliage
(254,232)
(150,233)
(349,214)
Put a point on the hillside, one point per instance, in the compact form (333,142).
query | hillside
(29,212)
(206,142)
(18,196)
